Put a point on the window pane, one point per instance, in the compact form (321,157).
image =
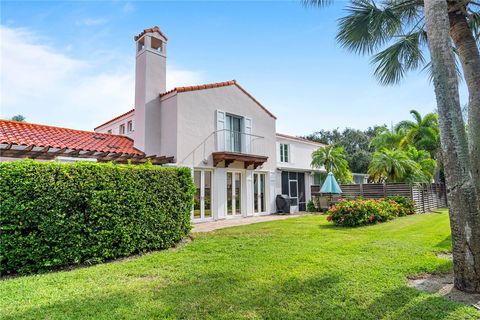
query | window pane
(229,192)
(208,194)
(238,189)
(262,192)
(255,192)
(285,149)
(293,176)
(293,189)
(196,199)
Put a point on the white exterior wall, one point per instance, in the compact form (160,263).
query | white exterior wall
(300,158)
(196,123)
(115,126)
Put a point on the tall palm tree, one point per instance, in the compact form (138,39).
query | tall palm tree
(390,165)
(423,132)
(464,202)
(394,32)
(333,159)
(387,139)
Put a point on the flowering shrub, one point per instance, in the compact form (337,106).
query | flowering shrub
(359,212)
(407,207)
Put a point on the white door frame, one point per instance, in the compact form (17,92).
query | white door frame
(202,196)
(257,200)
(233,172)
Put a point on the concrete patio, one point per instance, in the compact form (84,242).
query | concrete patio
(214,225)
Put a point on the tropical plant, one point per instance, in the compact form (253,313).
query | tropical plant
(425,170)
(461,171)
(422,133)
(387,139)
(355,142)
(332,159)
(391,165)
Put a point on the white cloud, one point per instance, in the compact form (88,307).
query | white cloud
(49,87)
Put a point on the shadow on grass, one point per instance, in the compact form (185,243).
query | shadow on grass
(408,303)
(228,295)
(446,244)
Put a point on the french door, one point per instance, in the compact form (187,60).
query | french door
(233,135)
(202,204)
(259,205)
(234,194)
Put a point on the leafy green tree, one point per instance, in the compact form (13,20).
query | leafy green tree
(333,159)
(425,170)
(356,144)
(391,165)
(18,118)
(387,139)
(423,132)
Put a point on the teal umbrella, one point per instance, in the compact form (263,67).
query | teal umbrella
(330,185)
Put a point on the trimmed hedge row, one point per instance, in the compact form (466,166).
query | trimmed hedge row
(56,214)
(351,213)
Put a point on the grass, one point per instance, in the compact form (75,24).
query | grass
(291,269)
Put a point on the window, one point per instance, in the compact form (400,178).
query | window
(233,133)
(284,152)
(122,129)
(156,44)
(109,131)
(130,126)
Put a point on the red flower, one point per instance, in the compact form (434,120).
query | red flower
(329,218)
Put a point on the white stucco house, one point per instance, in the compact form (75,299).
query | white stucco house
(225,135)
(240,163)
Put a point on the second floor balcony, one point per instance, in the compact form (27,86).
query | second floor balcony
(231,146)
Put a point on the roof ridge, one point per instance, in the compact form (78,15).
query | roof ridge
(113,119)
(63,128)
(298,138)
(200,87)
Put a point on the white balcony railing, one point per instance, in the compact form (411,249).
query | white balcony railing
(239,142)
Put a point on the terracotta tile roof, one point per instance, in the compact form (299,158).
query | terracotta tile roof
(281,135)
(153,29)
(217,85)
(38,135)
(116,118)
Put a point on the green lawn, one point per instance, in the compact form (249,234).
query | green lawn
(290,269)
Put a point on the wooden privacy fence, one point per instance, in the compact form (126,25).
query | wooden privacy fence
(427,197)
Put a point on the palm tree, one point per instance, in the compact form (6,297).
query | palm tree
(394,31)
(387,139)
(464,203)
(422,133)
(390,165)
(333,159)
(425,170)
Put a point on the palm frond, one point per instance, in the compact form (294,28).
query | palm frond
(317,3)
(404,55)
(367,26)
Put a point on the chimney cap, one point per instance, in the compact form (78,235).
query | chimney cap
(153,29)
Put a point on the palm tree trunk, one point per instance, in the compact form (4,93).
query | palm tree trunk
(469,55)
(462,195)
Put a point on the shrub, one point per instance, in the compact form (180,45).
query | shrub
(311,206)
(54,214)
(407,206)
(361,212)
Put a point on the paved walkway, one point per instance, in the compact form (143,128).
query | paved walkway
(214,225)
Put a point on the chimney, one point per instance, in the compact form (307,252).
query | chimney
(150,81)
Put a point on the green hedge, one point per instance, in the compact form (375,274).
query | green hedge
(54,214)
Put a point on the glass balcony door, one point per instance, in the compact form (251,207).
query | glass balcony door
(233,133)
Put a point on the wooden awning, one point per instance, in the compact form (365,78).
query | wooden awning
(248,160)
(51,153)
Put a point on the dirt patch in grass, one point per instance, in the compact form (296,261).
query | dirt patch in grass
(442,284)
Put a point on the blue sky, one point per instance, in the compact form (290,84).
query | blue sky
(72,63)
